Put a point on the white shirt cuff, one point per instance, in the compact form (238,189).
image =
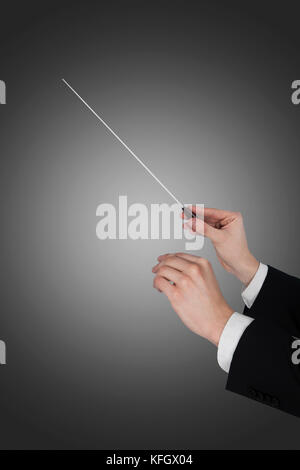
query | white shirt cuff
(230,338)
(252,290)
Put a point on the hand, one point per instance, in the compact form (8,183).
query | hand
(227,233)
(195,294)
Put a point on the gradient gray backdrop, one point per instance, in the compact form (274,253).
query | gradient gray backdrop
(96,357)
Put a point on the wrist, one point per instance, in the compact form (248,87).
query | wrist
(247,269)
(222,318)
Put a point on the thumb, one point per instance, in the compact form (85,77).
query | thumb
(202,228)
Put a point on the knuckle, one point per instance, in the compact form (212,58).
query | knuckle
(204,263)
(185,281)
(161,265)
(195,270)
(162,271)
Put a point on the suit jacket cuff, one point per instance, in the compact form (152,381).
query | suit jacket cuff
(250,293)
(230,338)
(262,367)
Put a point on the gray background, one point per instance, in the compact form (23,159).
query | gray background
(96,357)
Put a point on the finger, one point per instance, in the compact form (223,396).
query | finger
(210,212)
(216,218)
(193,259)
(176,262)
(188,257)
(169,273)
(163,257)
(164,286)
(202,228)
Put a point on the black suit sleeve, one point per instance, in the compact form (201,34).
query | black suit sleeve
(262,366)
(278,301)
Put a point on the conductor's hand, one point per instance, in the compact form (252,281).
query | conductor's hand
(226,231)
(191,286)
